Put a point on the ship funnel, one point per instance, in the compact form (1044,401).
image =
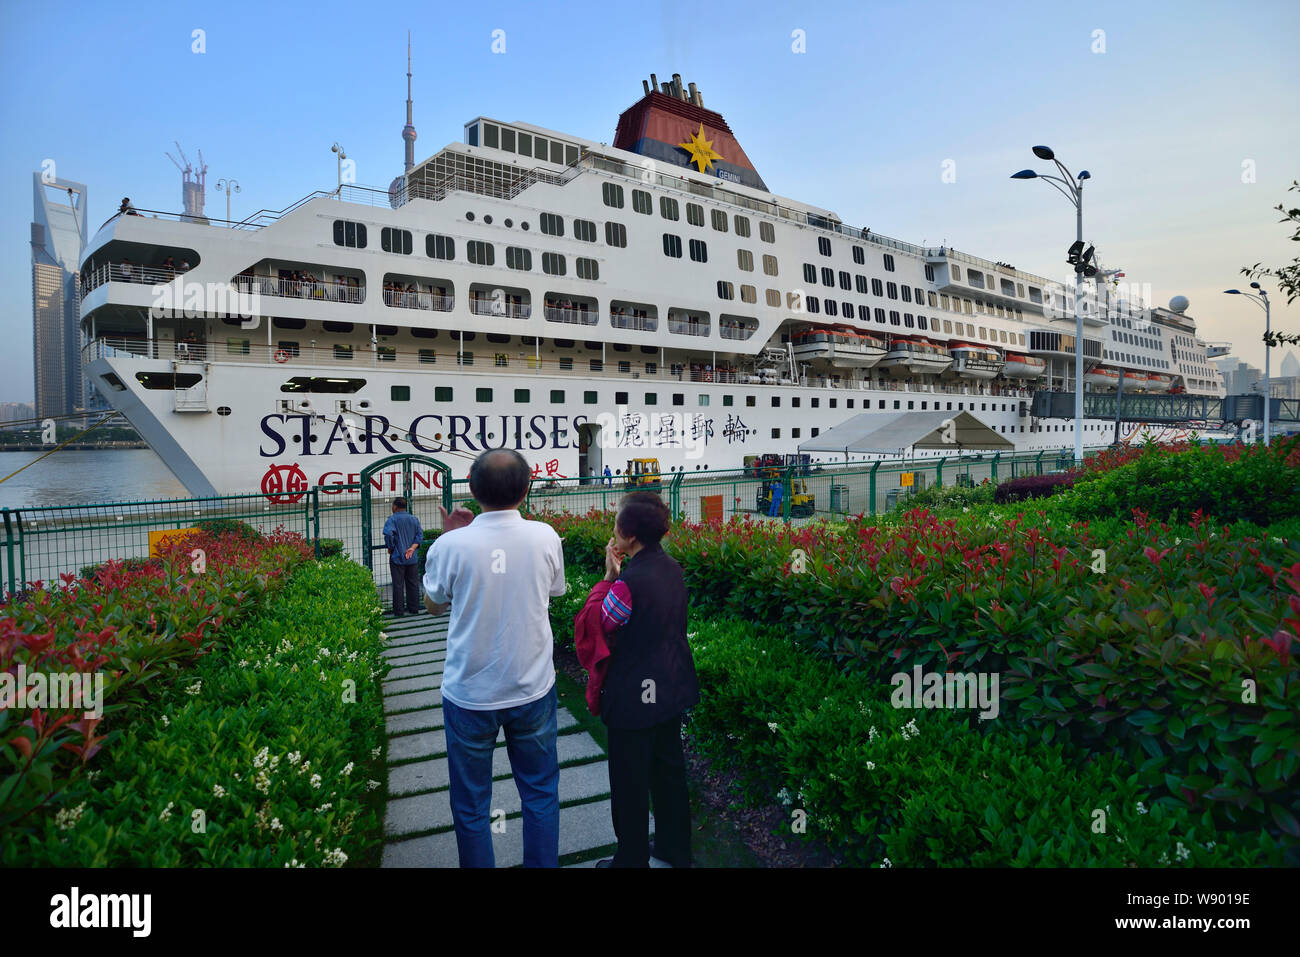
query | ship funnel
(695,96)
(654,82)
(677,86)
(645,85)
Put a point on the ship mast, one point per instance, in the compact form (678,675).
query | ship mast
(408,131)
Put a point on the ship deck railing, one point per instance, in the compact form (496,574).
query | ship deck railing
(297,356)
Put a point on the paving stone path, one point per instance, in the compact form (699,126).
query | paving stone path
(417,823)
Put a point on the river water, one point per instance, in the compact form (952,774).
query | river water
(72,478)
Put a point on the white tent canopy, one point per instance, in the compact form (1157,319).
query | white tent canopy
(894,433)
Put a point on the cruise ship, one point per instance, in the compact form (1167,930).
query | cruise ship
(585,304)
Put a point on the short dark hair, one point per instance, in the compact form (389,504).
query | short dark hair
(399,502)
(499,478)
(643,516)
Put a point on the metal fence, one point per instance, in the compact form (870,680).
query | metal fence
(40,543)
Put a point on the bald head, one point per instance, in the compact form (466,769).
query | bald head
(499,479)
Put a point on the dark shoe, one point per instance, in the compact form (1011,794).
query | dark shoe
(607,862)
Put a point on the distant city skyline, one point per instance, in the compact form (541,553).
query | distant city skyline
(899,118)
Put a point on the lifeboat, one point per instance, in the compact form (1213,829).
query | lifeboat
(1159,382)
(975,361)
(1023,367)
(916,355)
(1103,377)
(839,345)
(1136,381)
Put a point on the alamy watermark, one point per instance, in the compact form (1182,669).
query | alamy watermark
(946,690)
(59,691)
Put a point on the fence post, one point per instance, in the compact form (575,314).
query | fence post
(675,494)
(787,491)
(993,474)
(938,472)
(873,486)
(315,517)
(1038,462)
(8,585)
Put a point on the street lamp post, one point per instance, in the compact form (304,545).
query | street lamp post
(228,185)
(1071,187)
(1258,298)
(342,156)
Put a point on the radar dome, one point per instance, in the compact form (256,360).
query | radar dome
(1178,304)
(397,192)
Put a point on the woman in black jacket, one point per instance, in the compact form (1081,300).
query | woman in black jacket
(649,685)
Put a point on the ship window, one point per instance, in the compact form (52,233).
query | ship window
(342,352)
(908,320)
(880,315)
(809,273)
(507,139)
(877,287)
(891,290)
(813,304)
(471,135)
(428,356)
(742,226)
(385,330)
(859,256)
(465,359)
(288,347)
(699,251)
(348,233)
(794,403)
(624,366)
(835,403)
(615,234)
(745,260)
(480,253)
(893,317)
(483,395)
(557,395)
(719,219)
(728,400)
(776,433)
(750,401)
(920,322)
(823,245)
(907,293)
(704,400)
(846,281)
(748,294)
(489,135)
(649,350)
(342,327)
(566,363)
(612,194)
(766,232)
(395,240)
(828,276)
(934,300)
(641,202)
(552,224)
(420,333)
(442,393)
(439,247)
(237,347)
(585,230)
(860,283)
(570,154)
(679,398)
(651,398)
(289,323)
(651,368)
(517,258)
(832,309)
(587,268)
(590,397)
(668,208)
(596,365)
(864,313)
(773,298)
(113,382)
(553,264)
(726,290)
(525,144)
(848,309)
(167,380)
(322,384)
(400,393)
(695,214)
(889,263)
(769,265)
(500,338)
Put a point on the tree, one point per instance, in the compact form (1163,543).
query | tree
(1288,277)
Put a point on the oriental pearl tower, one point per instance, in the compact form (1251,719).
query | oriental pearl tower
(397,188)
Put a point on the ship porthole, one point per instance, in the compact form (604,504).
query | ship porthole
(469,216)
(488,220)
(223,410)
(509,224)
(524,226)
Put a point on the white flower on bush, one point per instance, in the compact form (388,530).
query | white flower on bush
(872,734)
(276,825)
(323,808)
(260,759)
(910,730)
(67,818)
(886,863)
(195,688)
(167,811)
(347,769)
(166,721)
(1141,808)
(1181,852)
(784,797)
(218,791)
(294,757)
(371,785)
(305,765)
(871,766)
(262,782)
(374,752)
(335,858)
(773,727)
(294,863)
(315,781)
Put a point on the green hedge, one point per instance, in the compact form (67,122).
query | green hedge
(260,737)
(885,786)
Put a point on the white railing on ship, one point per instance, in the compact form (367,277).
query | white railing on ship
(295,355)
(579,317)
(325,290)
(492,307)
(687,327)
(639,323)
(418,300)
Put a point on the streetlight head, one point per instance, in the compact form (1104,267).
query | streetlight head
(1085,175)
(1025,174)
(1232,292)
(1044,152)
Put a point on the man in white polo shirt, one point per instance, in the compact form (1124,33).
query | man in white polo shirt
(497,572)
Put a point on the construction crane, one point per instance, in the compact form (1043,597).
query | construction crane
(192,184)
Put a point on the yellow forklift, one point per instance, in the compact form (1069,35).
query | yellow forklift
(768,467)
(644,474)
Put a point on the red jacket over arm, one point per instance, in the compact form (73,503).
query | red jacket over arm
(591,645)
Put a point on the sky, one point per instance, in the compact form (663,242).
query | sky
(907,118)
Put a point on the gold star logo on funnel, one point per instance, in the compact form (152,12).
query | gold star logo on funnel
(701,150)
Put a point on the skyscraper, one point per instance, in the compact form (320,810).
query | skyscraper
(59,234)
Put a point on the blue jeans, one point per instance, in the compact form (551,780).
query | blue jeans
(530,742)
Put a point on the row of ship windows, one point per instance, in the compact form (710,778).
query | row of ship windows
(1129,357)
